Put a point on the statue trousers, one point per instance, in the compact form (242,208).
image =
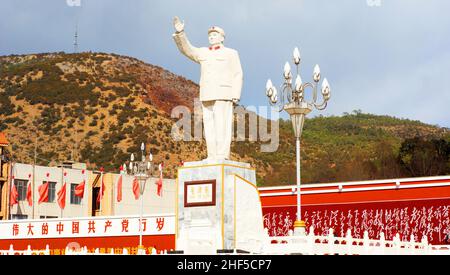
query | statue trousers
(217,122)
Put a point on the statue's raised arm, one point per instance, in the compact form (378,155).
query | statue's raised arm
(178,25)
(182,41)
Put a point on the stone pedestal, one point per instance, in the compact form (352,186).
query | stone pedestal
(299,228)
(218,207)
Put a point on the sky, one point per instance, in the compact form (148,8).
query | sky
(386,57)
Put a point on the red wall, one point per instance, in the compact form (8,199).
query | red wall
(418,211)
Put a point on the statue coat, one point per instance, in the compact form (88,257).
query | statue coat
(221,72)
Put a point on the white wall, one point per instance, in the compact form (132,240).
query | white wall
(153,204)
(21,171)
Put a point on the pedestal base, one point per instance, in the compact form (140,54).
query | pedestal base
(141,250)
(218,207)
(299,228)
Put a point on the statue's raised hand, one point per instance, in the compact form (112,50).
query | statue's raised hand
(179,26)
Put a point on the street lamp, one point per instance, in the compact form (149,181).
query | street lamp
(141,170)
(292,100)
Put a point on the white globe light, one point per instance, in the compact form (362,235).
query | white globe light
(274,91)
(132,157)
(287,70)
(268,84)
(269,89)
(316,74)
(296,56)
(298,83)
(274,98)
(142,146)
(326,90)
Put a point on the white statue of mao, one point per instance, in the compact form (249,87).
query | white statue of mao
(220,86)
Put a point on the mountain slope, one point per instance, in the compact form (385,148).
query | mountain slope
(98,108)
(94,107)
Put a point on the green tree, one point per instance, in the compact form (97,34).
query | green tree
(422,157)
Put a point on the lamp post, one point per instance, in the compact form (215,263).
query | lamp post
(141,170)
(292,100)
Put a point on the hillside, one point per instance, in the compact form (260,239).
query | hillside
(97,108)
(94,107)
(357,146)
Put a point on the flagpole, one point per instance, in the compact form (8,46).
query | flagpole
(32,190)
(101,190)
(161,179)
(34,177)
(140,220)
(62,184)
(10,188)
(86,182)
(112,195)
(81,200)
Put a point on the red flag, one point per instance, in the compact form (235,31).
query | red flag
(29,187)
(43,193)
(103,185)
(102,191)
(62,197)
(29,197)
(79,190)
(136,189)
(119,189)
(160,180)
(159,184)
(14,195)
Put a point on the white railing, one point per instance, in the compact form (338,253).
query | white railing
(28,251)
(331,245)
(72,251)
(309,244)
(84,251)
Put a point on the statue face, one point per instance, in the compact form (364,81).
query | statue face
(215,38)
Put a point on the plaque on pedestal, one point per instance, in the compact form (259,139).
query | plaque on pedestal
(218,207)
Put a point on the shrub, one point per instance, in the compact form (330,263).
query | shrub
(93,123)
(6,107)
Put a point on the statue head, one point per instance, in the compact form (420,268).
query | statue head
(216,36)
